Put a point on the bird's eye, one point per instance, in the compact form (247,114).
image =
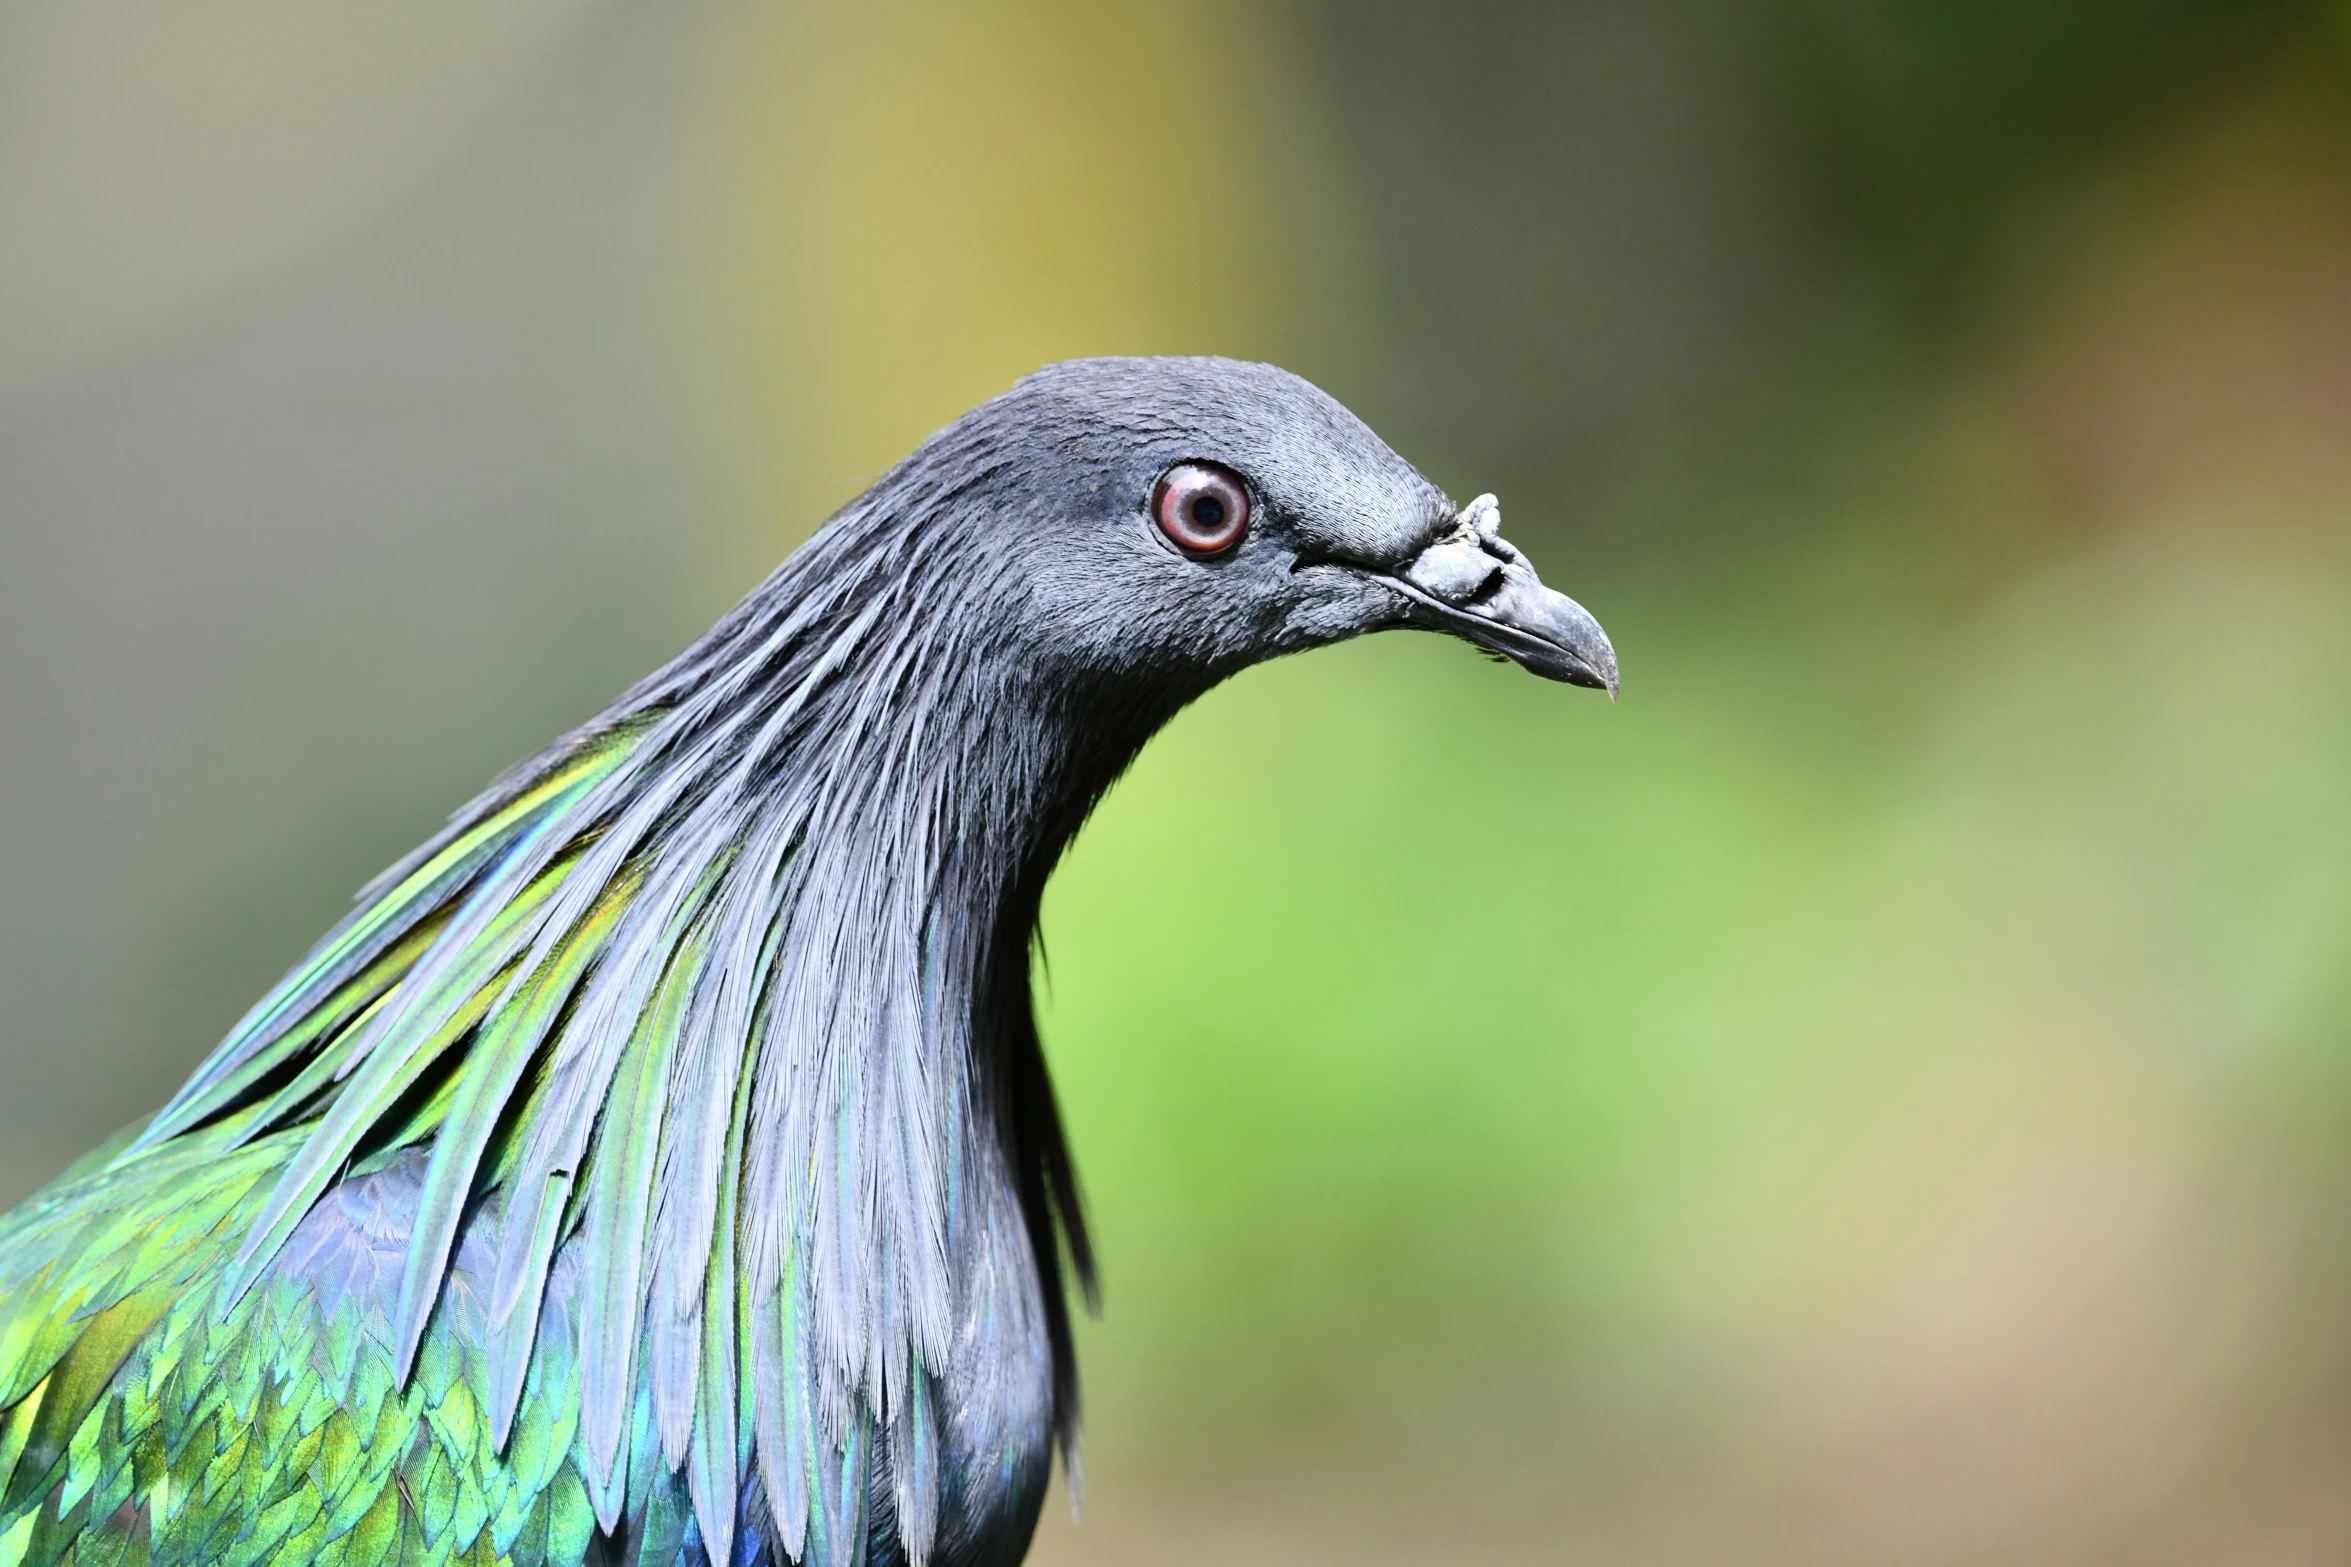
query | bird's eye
(1202,508)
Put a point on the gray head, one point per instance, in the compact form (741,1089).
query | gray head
(1173,520)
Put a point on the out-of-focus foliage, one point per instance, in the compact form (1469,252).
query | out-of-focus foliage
(1879,1094)
(1918,122)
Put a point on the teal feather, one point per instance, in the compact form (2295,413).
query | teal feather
(499,1058)
(620,1197)
(512,1340)
(345,1011)
(377,930)
(715,1456)
(374,1088)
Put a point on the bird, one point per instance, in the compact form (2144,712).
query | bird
(658,1165)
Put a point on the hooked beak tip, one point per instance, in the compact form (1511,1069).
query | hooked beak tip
(1477,585)
(1582,668)
(1544,632)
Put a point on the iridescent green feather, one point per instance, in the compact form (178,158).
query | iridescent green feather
(170,1393)
(166,1434)
(367,949)
(499,1058)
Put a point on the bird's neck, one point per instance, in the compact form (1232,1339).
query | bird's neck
(877,776)
(725,1000)
(732,985)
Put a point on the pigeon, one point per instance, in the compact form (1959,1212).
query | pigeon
(659,1165)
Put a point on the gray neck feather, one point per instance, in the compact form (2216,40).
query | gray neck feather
(822,849)
(865,784)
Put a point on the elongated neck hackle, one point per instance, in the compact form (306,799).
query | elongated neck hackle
(730,988)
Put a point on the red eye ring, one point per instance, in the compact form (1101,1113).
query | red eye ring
(1202,508)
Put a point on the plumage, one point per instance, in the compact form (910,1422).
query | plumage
(659,1164)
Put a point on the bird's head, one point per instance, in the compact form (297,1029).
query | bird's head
(1181,518)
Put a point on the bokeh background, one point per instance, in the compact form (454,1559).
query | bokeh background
(1881,1094)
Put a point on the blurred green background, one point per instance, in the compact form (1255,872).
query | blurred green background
(1881,1094)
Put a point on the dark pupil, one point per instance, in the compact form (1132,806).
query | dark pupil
(1208,512)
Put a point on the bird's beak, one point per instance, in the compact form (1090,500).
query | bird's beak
(1475,584)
